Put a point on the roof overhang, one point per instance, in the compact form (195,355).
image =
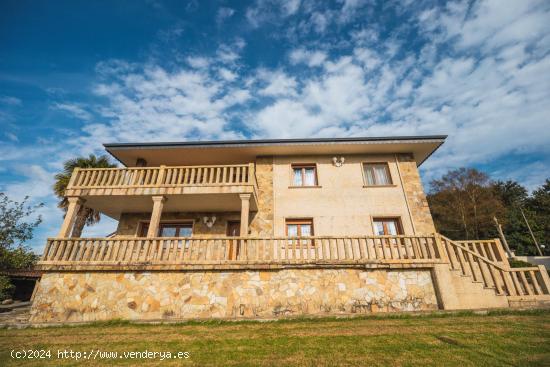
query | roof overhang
(239,151)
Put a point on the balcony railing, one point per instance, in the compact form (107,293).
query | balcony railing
(164,176)
(482,262)
(514,282)
(185,251)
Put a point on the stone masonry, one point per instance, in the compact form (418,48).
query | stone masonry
(66,297)
(262,221)
(416,199)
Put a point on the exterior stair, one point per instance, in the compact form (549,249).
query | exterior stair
(481,277)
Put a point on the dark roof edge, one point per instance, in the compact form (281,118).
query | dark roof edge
(432,152)
(269,141)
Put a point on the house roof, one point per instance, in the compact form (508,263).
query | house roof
(240,151)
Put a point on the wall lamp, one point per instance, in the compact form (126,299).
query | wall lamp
(209,221)
(338,161)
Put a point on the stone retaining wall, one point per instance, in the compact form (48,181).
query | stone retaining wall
(94,296)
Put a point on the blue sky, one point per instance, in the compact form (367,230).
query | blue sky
(76,74)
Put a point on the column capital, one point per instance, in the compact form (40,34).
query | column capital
(245,196)
(159,198)
(76,200)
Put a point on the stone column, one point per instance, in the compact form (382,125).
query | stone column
(72,210)
(158,204)
(245,213)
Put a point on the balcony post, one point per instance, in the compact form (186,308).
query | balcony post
(158,204)
(251,174)
(245,213)
(162,173)
(74,175)
(70,216)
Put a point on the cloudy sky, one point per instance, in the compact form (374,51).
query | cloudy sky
(76,74)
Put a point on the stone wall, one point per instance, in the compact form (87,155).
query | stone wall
(416,199)
(93,296)
(262,220)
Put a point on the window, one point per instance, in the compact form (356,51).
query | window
(377,174)
(170,229)
(304,175)
(299,227)
(387,226)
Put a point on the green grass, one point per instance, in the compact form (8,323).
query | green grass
(509,338)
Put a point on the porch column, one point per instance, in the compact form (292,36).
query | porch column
(158,204)
(72,210)
(245,209)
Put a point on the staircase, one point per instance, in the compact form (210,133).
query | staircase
(480,277)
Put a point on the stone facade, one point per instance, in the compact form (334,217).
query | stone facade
(91,296)
(262,220)
(416,199)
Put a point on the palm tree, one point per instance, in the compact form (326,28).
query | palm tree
(85,216)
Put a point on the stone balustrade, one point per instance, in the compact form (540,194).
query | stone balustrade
(166,252)
(163,176)
(483,261)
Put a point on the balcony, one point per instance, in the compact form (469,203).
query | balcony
(169,253)
(116,190)
(482,261)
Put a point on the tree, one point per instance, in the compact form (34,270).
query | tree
(514,197)
(15,230)
(85,216)
(463,204)
(538,210)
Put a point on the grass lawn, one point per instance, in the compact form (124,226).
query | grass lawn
(512,338)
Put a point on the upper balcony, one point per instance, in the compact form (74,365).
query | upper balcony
(116,190)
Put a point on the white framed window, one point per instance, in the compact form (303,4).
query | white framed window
(304,175)
(377,174)
(387,226)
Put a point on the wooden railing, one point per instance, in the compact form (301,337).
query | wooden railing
(489,249)
(505,280)
(182,251)
(163,176)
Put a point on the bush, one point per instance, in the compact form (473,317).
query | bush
(6,288)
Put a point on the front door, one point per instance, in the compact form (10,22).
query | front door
(233,230)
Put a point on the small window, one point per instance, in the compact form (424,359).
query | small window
(299,227)
(304,175)
(170,229)
(377,174)
(387,227)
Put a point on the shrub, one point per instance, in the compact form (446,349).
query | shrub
(6,288)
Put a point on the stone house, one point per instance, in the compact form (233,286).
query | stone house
(268,228)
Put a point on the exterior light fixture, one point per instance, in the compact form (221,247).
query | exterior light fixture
(338,161)
(209,221)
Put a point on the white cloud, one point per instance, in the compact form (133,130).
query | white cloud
(277,83)
(227,74)
(223,14)
(310,58)
(74,109)
(9,100)
(271,10)
(198,62)
(230,53)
